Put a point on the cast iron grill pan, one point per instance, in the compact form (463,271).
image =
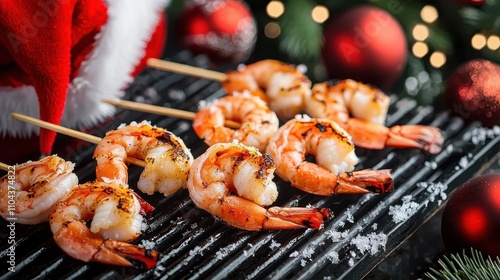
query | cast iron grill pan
(193,245)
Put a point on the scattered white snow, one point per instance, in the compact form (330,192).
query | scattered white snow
(371,243)
(294,254)
(336,236)
(146,244)
(350,217)
(333,257)
(463,162)
(274,244)
(403,212)
(225,251)
(436,190)
(432,164)
(480,134)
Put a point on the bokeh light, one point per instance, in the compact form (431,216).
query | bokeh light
(320,14)
(420,32)
(275,9)
(437,59)
(493,42)
(429,14)
(420,49)
(272,30)
(478,41)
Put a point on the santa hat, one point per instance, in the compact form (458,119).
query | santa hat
(59,59)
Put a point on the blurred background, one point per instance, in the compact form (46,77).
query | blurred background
(362,40)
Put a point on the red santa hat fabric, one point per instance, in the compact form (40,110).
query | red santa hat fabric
(59,58)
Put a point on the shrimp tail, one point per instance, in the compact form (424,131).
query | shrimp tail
(146,208)
(428,138)
(297,217)
(364,181)
(93,248)
(370,135)
(247,215)
(127,255)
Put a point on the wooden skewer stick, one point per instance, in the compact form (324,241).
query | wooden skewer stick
(69,132)
(4,166)
(159,110)
(186,69)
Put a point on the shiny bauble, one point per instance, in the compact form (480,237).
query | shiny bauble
(224,30)
(473,92)
(471,217)
(367,44)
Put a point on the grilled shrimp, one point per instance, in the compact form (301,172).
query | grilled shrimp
(258,122)
(35,187)
(233,182)
(335,159)
(361,110)
(283,86)
(167,158)
(114,211)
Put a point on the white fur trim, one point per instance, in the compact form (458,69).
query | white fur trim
(104,74)
(22,100)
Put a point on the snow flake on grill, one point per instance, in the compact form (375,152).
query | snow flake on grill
(371,243)
(333,257)
(436,190)
(146,244)
(480,134)
(274,244)
(336,236)
(401,213)
(225,251)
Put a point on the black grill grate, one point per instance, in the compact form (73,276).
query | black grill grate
(195,246)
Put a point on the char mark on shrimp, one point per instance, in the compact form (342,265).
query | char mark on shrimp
(241,157)
(321,127)
(265,164)
(120,203)
(166,137)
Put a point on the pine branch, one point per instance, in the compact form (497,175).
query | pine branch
(407,14)
(464,267)
(486,18)
(301,36)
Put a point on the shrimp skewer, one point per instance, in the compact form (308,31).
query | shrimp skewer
(361,110)
(258,122)
(167,158)
(335,157)
(288,92)
(38,185)
(114,211)
(233,182)
(281,85)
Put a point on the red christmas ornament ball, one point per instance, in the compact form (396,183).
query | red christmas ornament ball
(473,92)
(471,217)
(223,30)
(366,44)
